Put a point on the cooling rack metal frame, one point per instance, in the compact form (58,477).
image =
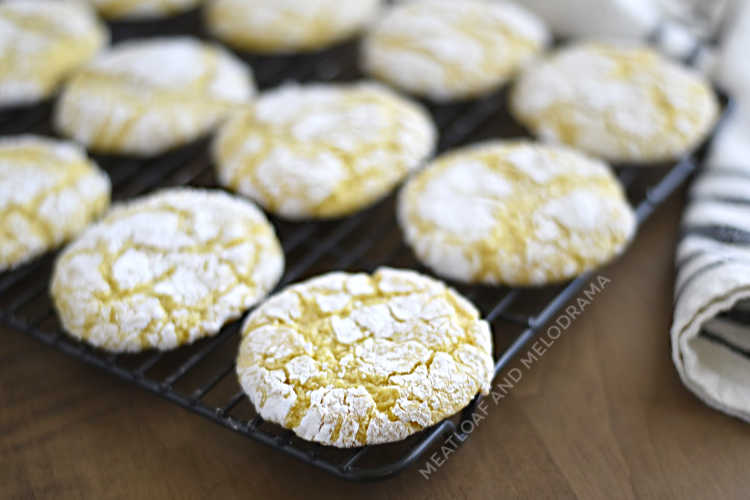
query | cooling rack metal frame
(201,377)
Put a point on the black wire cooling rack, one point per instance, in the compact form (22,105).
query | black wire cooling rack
(201,377)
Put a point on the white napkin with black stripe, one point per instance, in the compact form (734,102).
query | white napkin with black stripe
(711,328)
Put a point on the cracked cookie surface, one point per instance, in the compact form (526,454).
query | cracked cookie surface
(142,9)
(49,191)
(354,359)
(147,96)
(165,270)
(515,213)
(41,42)
(279,26)
(452,50)
(622,102)
(322,150)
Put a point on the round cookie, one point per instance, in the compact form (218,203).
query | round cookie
(515,213)
(148,96)
(357,359)
(322,150)
(49,191)
(142,9)
(41,42)
(451,50)
(622,102)
(165,270)
(278,26)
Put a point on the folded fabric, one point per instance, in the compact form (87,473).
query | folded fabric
(711,327)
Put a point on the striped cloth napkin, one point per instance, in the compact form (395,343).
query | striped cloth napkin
(711,328)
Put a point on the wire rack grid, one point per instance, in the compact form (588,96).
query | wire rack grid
(201,377)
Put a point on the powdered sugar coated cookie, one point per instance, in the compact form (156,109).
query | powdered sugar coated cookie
(165,270)
(41,42)
(515,213)
(142,9)
(623,102)
(287,25)
(147,96)
(49,191)
(354,359)
(322,150)
(449,50)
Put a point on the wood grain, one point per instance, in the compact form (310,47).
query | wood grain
(601,414)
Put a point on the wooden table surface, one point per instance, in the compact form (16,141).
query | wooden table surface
(601,414)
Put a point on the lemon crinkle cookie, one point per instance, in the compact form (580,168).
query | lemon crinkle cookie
(41,42)
(355,359)
(165,270)
(322,150)
(451,50)
(515,213)
(143,9)
(147,96)
(49,191)
(620,101)
(275,26)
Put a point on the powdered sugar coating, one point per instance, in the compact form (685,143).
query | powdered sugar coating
(41,42)
(515,213)
(165,270)
(49,191)
(623,102)
(322,150)
(274,26)
(354,359)
(147,96)
(142,9)
(452,50)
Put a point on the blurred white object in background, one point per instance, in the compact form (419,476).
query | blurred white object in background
(676,26)
(731,148)
(701,17)
(732,70)
(594,18)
